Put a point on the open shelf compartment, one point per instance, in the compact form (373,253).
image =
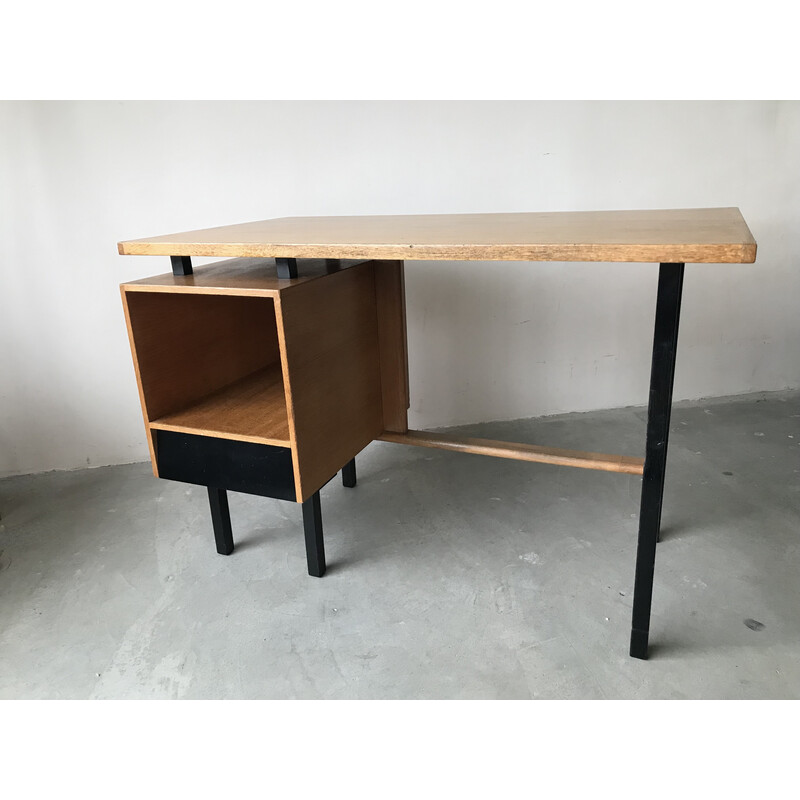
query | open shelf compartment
(209,365)
(252,409)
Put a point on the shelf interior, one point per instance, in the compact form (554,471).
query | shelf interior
(251,409)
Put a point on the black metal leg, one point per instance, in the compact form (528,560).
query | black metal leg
(221,519)
(287,267)
(315,546)
(349,474)
(662,373)
(181,265)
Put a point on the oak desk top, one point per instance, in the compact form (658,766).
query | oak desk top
(689,235)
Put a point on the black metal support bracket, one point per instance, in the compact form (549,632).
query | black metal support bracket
(287,267)
(221,520)
(349,474)
(181,265)
(315,546)
(662,375)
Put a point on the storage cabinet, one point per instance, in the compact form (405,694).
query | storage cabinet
(255,383)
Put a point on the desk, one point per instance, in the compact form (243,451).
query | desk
(270,371)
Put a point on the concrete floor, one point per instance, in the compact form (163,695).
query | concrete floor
(450,576)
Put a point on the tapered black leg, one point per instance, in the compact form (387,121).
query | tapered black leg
(221,519)
(665,340)
(349,474)
(315,547)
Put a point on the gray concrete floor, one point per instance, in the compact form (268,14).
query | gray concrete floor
(450,576)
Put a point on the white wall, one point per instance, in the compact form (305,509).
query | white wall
(487,340)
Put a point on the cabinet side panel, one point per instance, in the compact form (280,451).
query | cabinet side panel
(332,366)
(188,346)
(151,444)
(390,296)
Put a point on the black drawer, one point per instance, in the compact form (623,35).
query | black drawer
(226,464)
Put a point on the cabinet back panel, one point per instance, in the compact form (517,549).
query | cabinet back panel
(188,346)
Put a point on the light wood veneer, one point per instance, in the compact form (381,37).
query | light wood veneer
(694,235)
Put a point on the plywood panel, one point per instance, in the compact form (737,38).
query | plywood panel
(329,335)
(187,347)
(151,444)
(248,277)
(693,235)
(252,409)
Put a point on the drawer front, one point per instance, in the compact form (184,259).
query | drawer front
(226,464)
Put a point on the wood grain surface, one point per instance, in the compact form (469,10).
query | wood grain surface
(519,452)
(697,235)
(329,351)
(252,409)
(189,347)
(237,277)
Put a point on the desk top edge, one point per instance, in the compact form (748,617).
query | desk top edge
(704,235)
